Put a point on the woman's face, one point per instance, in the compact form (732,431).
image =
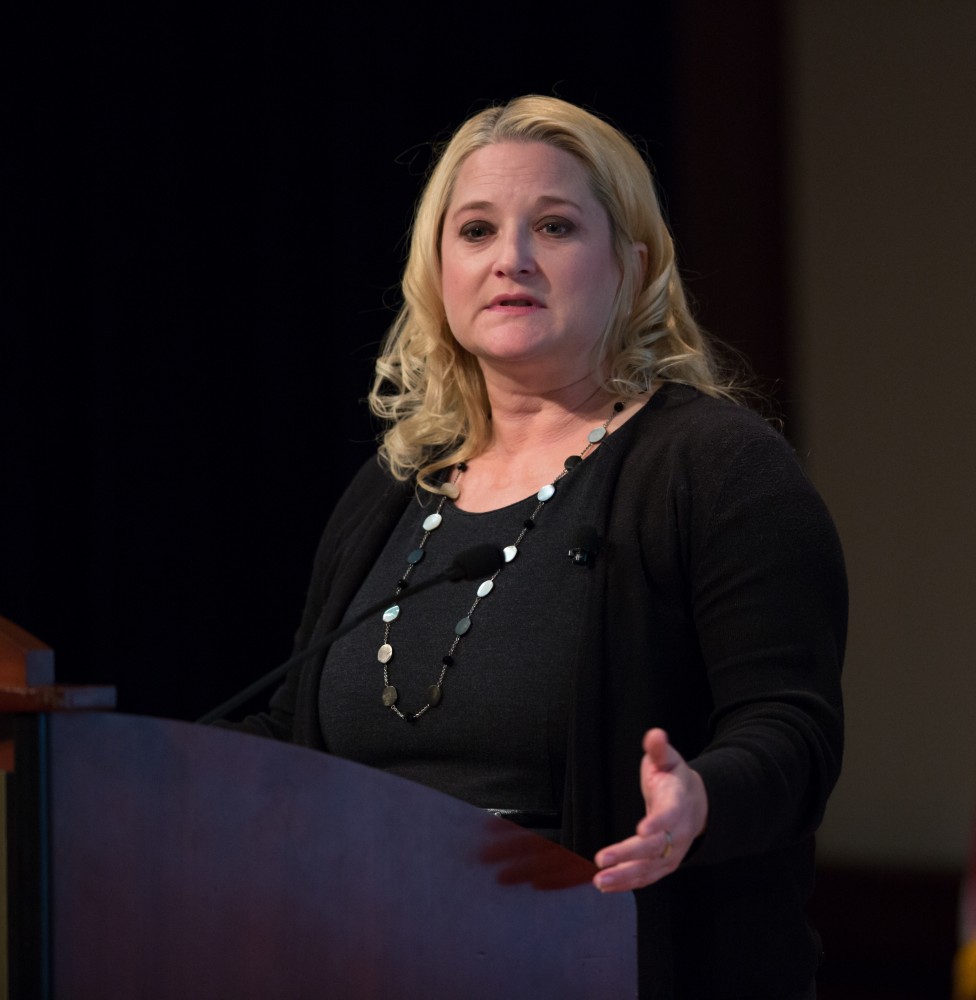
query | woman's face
(528,271)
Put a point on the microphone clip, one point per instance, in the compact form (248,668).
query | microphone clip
(584,546)
(579,555)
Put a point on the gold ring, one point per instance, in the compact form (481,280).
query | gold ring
(667,844)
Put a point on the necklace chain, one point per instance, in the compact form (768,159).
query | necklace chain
(430,524)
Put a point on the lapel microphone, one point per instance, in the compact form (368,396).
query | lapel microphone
(584,545)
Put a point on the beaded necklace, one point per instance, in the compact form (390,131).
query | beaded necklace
(429,525)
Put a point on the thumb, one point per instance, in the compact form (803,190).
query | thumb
(659,751)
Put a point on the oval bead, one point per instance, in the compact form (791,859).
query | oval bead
(572,462)
(486,588)
(390,695)
(434,695)
(510,552)
(597,434)
(415,556)
(392,613)
(462,626)
(546,493)
(385,653)
(431,522)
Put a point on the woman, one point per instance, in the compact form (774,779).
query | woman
(666,696)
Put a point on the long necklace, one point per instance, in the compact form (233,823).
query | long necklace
(429,525)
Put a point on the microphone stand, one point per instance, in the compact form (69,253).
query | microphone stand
(478,562)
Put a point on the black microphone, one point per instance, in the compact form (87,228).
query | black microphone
(472,564)
(584,545)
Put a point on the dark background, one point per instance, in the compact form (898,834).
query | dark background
(202,232)
(206,228)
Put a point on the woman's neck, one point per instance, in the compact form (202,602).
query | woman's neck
(522,419)
(532,434)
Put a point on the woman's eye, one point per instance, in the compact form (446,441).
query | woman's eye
(556,227)
(474,230)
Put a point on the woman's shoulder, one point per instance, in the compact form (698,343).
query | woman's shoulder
(702,451)
(372,474)
(373,481)
(371,490)
(711,460)
(681,419)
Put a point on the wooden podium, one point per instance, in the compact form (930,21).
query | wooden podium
(149,858)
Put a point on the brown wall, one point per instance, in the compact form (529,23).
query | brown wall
(882,140)
(825,207)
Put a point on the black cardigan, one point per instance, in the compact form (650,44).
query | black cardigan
(717,609)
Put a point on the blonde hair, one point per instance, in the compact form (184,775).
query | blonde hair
(430,390)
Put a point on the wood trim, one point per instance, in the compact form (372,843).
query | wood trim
(24,659)
(57,698)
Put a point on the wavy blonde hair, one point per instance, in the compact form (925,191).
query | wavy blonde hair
(430,390)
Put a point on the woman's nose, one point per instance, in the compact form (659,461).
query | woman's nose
(515,254)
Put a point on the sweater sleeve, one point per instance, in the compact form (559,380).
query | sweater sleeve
(769,600)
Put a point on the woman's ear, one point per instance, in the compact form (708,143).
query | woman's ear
(641,250)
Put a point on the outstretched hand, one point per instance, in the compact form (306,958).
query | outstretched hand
(676,812)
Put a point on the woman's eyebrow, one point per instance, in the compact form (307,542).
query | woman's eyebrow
(543,201)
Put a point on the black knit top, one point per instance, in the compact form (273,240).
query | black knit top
(717,610)
(498,737)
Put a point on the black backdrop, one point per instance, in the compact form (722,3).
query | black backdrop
(206,225)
